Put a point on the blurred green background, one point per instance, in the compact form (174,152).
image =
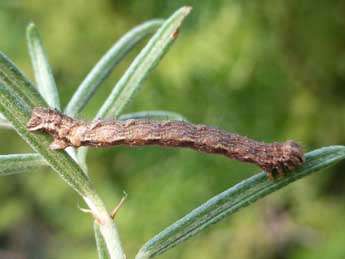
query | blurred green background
(271,69)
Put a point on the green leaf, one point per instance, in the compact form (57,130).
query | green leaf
(16,104)
(43,74)
(153,115)
(147,59)
(20,163)
(239,196)
(101,245)
(107,63)
(12,76)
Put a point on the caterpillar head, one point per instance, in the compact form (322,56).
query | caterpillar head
(44,119)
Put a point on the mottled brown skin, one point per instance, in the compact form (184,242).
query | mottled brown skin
(274,157)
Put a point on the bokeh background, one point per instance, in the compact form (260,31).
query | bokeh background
(271,69)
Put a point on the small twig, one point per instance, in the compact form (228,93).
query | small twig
(118,207)
(97,219)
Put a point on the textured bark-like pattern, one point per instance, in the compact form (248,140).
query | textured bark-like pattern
(279,157)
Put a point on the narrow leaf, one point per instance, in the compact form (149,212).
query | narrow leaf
(153,115)
(43,74)
(101,245)
(107,63)
(233,199)
(18,111)
(12,76)
(147,59)
(20,163)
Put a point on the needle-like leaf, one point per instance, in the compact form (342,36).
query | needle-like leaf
(12,76)
(20,163)
(44,77)
(239,196)
(147,59)
(107,63)
(153,115)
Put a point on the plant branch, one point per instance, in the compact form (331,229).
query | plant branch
(17,97)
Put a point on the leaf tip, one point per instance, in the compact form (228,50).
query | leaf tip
(30,27)
(187,9)
(31,32)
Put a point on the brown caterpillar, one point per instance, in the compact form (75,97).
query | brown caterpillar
(274,157)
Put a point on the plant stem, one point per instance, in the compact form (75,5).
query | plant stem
(107,226)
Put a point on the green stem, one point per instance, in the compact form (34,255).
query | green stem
(106,225)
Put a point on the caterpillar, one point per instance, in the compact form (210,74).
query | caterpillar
(273,157)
